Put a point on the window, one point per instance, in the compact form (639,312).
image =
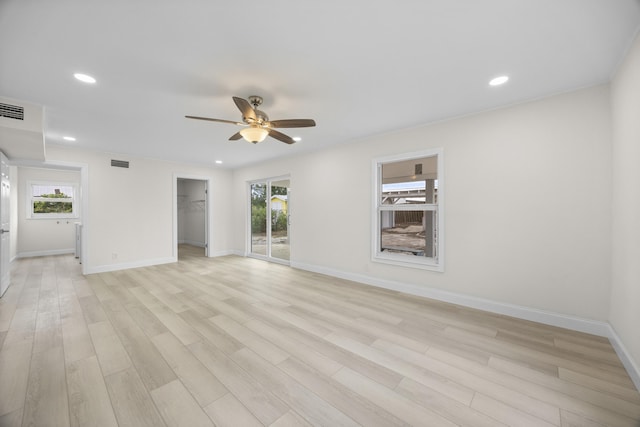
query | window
(52,200)
(407,228)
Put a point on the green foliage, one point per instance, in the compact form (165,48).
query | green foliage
(52,207)
(259,209)
(258,219)
(278,221)
(259,193)
(42,207)
(55,196)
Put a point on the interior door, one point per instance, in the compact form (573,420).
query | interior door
(4,224)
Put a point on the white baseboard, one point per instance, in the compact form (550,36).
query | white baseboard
(630,365)
(221,253)
(31,254)
(128,265)
(574,323)
(527,313)
(191,243)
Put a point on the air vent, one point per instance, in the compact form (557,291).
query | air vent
(120,163)
(418,169)
(11,111)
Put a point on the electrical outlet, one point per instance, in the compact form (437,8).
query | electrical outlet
(114,256)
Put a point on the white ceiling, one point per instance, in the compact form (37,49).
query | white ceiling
(358,67)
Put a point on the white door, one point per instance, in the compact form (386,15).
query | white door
(269,219)
(4,224)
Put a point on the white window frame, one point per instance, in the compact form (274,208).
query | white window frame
(377,255)
(75,201)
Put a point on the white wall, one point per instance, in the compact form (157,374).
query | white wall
(191,212)
(42,236)
(625,294)
(528,217)
(130,221)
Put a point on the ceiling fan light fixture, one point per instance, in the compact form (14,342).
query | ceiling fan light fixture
(254,134)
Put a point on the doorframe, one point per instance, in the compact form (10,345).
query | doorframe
(84,199)
(248,233)
(208,215)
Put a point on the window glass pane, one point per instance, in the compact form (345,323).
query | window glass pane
(52,191)
(259,218)
(410,181)
(279,220)
(408,232)
(41,207)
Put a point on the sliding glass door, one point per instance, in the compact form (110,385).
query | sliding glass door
(269,218)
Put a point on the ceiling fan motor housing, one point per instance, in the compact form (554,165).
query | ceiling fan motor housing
(259,126)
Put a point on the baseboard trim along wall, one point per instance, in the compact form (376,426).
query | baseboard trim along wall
(629,364)
(128,265)
(31,254)
(191,243)
(574,323)
(221,253)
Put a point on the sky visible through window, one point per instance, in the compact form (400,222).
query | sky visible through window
(40,190)
(410,185)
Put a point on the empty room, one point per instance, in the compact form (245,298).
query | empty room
(419,213)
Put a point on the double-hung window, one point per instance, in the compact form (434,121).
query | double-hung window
(52,200)
(408,205)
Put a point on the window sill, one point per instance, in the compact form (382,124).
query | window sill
(54,217)
(405,261)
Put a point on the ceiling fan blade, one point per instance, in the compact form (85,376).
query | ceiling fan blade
(215,120)
(245,108)
(281,136)
(292,123)
(236,136)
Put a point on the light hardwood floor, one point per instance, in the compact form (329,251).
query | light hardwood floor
(240,342)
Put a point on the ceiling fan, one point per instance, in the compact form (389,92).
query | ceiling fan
(257,123)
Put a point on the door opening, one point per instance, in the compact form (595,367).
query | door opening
(192,217)
(270,216)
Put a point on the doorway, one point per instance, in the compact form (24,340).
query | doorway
(192,216)
(270,219)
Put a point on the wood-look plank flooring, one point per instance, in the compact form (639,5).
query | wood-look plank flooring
(240,342)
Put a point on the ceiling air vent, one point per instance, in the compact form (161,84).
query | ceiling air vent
(119,163)
(11,111)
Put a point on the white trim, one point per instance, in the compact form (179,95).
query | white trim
(192,243)
(31,254)
(84,197)
(29,199)
(625,357)
(222,253)
(269,259)
(574,323)
(401,260)
(268,196)
(208,211)
(594,327)
(128,265)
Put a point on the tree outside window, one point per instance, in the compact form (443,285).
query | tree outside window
(52,200)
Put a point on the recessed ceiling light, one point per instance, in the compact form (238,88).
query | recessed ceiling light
(84,78)
(499,81)
(218,162)
(68,138)
(297,138)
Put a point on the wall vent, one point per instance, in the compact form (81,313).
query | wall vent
(119,163)
(11,111)
(418,169)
